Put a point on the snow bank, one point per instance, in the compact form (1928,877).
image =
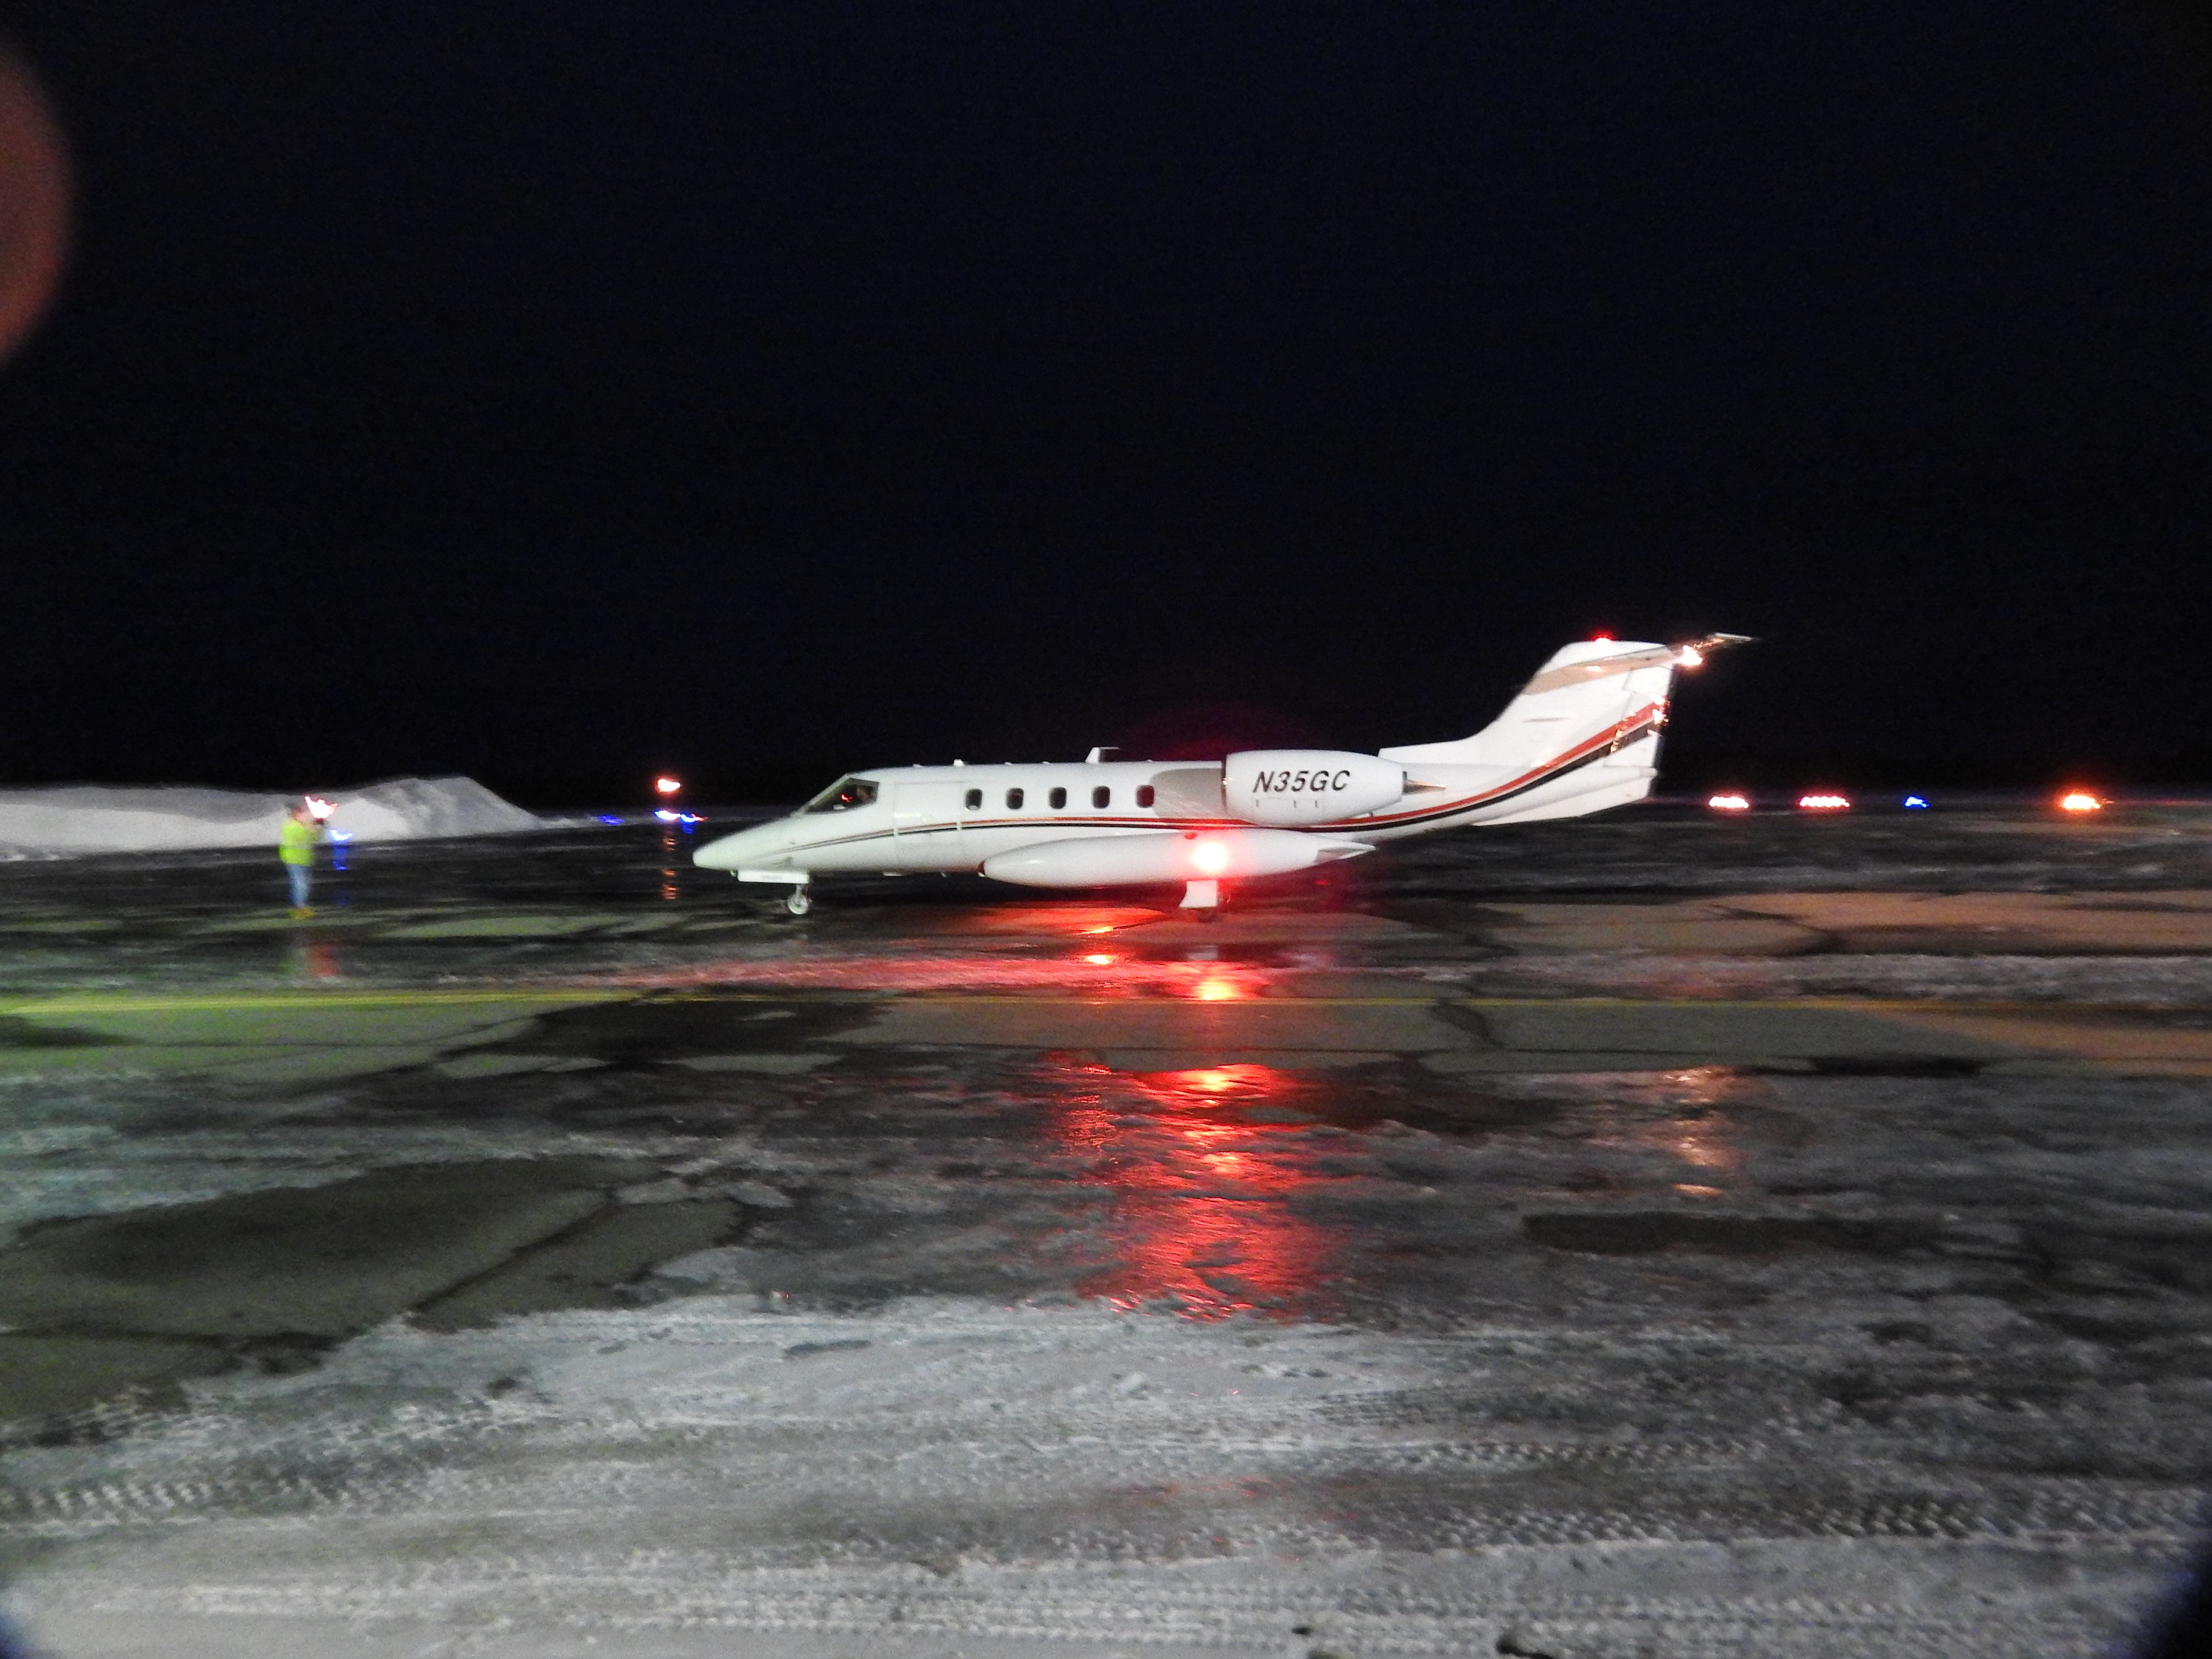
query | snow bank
(99,818)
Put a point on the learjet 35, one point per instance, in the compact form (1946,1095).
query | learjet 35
(1581,737)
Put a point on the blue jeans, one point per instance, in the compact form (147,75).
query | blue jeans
(301,877)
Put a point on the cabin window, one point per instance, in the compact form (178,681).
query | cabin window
(1101,798)
(1144,794)
(843,796)
(1013,800)
(1059,799)
(974,800)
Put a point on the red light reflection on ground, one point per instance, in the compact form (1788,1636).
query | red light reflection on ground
(317,958)
(670,884)
(1207,981)
(920,970)
(1199,1195)
(1055,918)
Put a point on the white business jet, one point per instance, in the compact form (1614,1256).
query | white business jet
(1582,736)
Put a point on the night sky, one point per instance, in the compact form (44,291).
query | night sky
(554,392)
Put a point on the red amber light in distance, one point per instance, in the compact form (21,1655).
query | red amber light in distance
(1824,802)
(2079,800)
(668,786)
(1730,803)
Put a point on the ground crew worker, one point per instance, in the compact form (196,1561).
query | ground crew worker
(295,845)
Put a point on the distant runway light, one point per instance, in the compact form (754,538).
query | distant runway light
(2079,800)
(1916,802)
(667,786)
(1824,802)
(1100,961)
(1730,803)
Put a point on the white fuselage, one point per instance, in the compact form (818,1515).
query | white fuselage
(958,817)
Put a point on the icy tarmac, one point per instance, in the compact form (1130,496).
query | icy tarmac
(1657,1235)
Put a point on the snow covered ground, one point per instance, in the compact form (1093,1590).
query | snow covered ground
(941,1475)
(106,818)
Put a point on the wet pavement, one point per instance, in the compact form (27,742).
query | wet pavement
(1662,1235)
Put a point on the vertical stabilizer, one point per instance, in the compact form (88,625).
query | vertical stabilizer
(1609,692)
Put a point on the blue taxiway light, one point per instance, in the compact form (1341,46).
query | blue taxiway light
(1916,802)
(610,818)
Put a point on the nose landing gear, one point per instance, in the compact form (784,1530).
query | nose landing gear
(800,900)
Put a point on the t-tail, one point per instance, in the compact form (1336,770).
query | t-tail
(1582,736)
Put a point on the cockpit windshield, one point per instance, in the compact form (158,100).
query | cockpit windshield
(843,796)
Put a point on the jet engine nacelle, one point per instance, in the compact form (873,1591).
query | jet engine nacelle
(1308,786)
(1167,855)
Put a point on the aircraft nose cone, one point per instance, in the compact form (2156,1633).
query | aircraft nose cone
(747,846)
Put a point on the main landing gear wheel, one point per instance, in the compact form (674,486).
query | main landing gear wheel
(799,902)
(1202,899)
